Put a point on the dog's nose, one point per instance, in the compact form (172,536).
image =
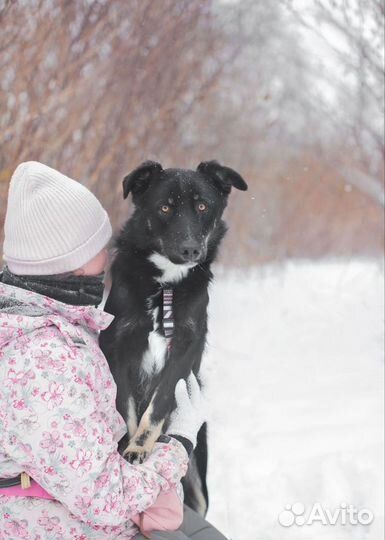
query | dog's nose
(190,251)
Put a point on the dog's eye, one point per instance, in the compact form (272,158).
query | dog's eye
(165,209)
(202,207)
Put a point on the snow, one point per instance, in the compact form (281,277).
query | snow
(294,372)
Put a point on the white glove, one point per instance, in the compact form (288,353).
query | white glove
(189,414)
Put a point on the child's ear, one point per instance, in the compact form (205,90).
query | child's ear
(223,177)
(139,179)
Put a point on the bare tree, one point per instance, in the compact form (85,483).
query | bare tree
(95,87)
(353,34)
(91,88)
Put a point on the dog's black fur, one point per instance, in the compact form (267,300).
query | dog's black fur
(170,241)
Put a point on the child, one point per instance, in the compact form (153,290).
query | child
(61,476)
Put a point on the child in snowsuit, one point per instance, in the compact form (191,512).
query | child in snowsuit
(61,476)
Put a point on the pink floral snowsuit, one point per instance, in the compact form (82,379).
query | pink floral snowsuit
(58,423)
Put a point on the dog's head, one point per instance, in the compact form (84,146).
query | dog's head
(178,211)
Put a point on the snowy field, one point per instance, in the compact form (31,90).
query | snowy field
(294,373)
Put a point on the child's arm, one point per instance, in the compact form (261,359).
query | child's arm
(72,452)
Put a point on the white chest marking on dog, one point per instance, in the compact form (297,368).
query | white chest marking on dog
(172,273)
(155,356)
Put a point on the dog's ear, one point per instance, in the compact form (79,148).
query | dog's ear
(224,177)
(139,179)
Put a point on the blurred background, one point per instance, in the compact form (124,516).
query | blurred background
(290,93)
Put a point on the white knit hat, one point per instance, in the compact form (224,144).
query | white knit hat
(53,224)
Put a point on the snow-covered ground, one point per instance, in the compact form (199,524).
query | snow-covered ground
(294,373)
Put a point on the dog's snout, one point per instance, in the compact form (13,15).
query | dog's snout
(190,251)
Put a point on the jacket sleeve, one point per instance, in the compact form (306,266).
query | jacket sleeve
(58,434)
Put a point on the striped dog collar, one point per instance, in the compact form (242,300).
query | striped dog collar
(168,316)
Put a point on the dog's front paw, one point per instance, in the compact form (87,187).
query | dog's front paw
(135,454)
(142,443)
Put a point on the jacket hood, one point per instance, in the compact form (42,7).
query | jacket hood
(23,311)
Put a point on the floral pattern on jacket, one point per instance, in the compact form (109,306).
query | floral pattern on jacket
(58,422)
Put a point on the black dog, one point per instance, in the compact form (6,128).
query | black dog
(169,243)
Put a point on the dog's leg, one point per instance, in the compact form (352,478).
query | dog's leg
(141,444)
(132,419)
(186,352)
(195,482)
